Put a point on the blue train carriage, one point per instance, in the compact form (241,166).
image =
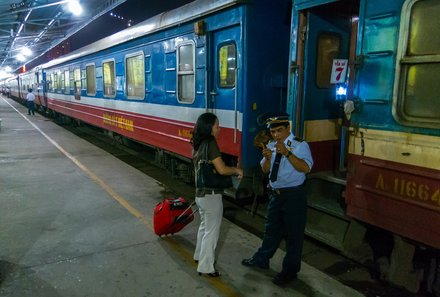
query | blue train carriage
(376,147)
(33,79)
(150,82)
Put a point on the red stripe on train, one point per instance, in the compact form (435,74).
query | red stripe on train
(168,134)
(402,198)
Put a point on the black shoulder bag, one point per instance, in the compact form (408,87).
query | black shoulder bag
(206,175)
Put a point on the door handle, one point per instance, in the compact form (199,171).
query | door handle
(213,94)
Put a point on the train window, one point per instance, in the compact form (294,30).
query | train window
(422,27)
(135,76)
(66,82)
(83,79)
(417,102)
(109,78)
(91,80)
(329,45)
(185,73)
(55,82)
(72,79)
(227,60)
(60,81)
(77,82)
(50,82)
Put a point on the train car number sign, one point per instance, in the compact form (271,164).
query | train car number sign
(339,71)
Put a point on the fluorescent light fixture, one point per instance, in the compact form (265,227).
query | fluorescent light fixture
(75,7)
(25,51)
(21,28)
(20,58)
(27,16)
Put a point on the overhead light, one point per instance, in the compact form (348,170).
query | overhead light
(25,51)
(19,29)
(8,69)
(75,7)
(20,57)
(27,16)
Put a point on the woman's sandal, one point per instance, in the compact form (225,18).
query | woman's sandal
(211,274)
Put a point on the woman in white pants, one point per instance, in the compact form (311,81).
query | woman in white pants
(209,201)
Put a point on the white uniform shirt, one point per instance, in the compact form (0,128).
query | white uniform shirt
(288,176)
(30,97)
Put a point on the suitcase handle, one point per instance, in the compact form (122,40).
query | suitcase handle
(181,218)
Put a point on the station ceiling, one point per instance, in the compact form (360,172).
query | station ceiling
(41,25)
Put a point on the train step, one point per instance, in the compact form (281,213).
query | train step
(326,219)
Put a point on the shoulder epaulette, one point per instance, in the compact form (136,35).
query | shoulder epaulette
(298,139)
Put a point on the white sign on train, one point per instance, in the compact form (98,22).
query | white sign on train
(339,71)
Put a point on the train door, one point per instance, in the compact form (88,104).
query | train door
(327,38)
(19,90)
(42,89)
(37,89)
(223,80)
(325,33)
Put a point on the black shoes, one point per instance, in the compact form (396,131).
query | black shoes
(252,262)
(211,274)
(283,278)
(280,279)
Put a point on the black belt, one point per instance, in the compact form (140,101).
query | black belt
(201,192)
(280,191)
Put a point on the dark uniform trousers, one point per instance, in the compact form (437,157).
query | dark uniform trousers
(287,214)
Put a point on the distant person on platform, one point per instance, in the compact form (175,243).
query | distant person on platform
(30,98)
(287,159)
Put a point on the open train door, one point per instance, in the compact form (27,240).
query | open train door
(326,30)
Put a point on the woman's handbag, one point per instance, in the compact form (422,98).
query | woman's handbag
(207,176)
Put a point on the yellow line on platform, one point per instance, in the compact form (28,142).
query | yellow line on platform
(220,285)
(93,176)
(217,282)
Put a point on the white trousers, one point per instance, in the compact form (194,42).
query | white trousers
(211,214)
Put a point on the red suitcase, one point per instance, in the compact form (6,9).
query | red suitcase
(171,215)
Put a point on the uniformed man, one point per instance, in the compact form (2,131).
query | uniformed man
(287,159)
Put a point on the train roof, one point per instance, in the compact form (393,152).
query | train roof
(190,11)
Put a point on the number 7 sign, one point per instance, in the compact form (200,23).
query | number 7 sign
(339,71)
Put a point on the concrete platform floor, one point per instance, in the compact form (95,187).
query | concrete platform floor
(76,221)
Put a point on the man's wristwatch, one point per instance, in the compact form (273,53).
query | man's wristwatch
(289,153)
